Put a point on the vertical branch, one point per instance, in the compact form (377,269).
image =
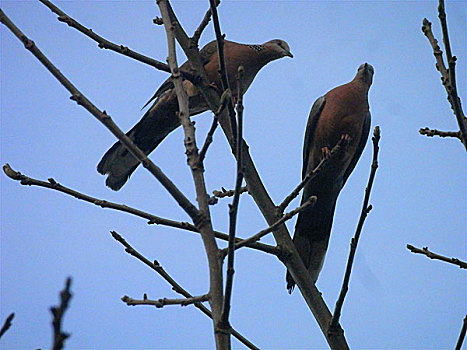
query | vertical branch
(220,52)
(353,246)
(58,312)
(233,208)
(222,337)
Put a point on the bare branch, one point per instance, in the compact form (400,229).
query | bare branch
(175,286)
(233,208)
(431,255)
(366,208)
(153,219)
(160,303)
(336,150)
(204,23)
(460,340)
(105,119)
(103,43)
(434,132)
(287,216)
(7,324)
(448,77)
(205,227)
(58,312)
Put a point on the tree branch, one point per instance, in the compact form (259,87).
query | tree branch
(434,132)
(460,340)
(205,227)
(447,75)
(204,23)
(431,255)
(160,303)
(105,119)
(337,149)
(103,43)
(7,324)
(366,208)
(273,227)
(175,286)
(233,208)
(58,312)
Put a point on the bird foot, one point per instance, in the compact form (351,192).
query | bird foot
(325,152)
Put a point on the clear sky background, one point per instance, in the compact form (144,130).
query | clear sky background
(397,300)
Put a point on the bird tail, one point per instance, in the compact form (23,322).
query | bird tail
(311,236)
(118,163)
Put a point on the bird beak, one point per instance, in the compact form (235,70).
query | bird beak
(288,53)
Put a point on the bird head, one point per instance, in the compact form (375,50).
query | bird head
(365,72)
(278,48)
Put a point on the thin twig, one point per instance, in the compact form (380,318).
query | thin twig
(175,286)
(160,303)
(233,208)
(103,43)
(152,219)
(366,208)
(224,193)
(337,149)
(431,255)
(58,312)
(204,23)
(262,233)
(460,340)
(434,132)
(7,324)
(447,75)
(105,119)
(222,66)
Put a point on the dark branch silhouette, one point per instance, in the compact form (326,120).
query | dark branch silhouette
(58,312)
(461,338)
(431,255)
(7,324)
(366,208)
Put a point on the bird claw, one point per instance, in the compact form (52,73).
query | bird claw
(325,152)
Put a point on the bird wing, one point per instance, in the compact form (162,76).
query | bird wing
(360,147)
(310,130)
(205,55)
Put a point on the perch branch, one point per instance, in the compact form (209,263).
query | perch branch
(175,286)
(233,208)
(433,132)
(7,324)
(460,340)
(105,119)
(256,188)
(366,208)
(58,312)
(337,149)
(431,255)
(160,303)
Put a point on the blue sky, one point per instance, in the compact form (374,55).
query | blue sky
(397,300)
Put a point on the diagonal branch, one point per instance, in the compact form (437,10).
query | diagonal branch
(204,23)
(105,119)
(366,208)
(431,255)
(153,219)
(160,303)
(273,227)
(336,150)
(460,340)
(104,43)
(58,312)
(7,324)
(175,286)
